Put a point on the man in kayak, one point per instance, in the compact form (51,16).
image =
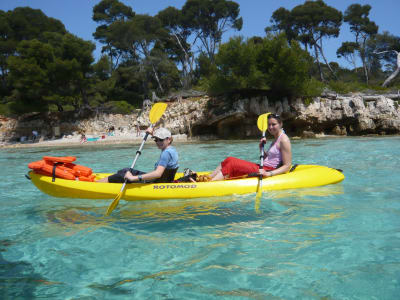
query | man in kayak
(164,169)
(277,160)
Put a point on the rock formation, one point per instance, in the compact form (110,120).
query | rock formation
(202,116)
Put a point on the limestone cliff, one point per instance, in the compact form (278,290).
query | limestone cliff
(354,114)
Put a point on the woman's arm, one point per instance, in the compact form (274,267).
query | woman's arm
(157,173)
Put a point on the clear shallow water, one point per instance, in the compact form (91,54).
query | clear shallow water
(335,242)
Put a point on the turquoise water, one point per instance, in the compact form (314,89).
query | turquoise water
(334,242)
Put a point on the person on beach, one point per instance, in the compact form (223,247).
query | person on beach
(110,131)
(83,138)
(164,169)
(277,159)
(34,135)
(137,130)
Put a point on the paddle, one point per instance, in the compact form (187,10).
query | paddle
(262,124)
(155,114)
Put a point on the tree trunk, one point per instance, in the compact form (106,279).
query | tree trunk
(319,64)
(354,63)
(395,73)
(365,71)
(157,78)
(362,56)
(187,67)
(391,77)
(147,55)
(326,62)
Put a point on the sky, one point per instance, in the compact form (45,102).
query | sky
(76,15)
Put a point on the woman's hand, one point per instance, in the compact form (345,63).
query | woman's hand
(263,141)
(265,173)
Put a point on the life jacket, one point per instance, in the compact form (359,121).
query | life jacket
(167,176)
(62,167)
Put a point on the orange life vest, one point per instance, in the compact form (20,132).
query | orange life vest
(62,167)
(64,159)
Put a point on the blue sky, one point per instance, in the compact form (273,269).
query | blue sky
(76,15)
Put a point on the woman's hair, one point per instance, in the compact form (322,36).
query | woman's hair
(275,116)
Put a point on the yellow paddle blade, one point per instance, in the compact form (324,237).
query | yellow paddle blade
(259,188)
(262,122)
(157,111)
(114,204)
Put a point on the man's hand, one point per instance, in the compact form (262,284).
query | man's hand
(129,176)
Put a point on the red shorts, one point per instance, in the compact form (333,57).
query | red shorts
(235,167)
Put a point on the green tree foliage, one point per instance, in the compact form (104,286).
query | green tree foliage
(130,84)
(261,64)
(7,48)
(102,68)
(382,43)
(310,23)
(52,72)
(43,67)
(177,44)
(348,51)
(107,12)
(363,28)
(139,36)
(21,24)
(282,23)
(29,76)
(27,23)
(237,67)
(384,49)
(209,19)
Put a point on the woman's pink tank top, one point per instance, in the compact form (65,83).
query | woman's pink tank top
(274,155)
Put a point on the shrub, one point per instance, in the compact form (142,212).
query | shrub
(5,110)
(260,64)
(119,107)
(312,88)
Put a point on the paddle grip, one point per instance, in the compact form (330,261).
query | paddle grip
(145,137)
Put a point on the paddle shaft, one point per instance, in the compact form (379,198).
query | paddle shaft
(138,153)
(261,167)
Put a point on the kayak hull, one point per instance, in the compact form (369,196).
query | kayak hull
(304,176)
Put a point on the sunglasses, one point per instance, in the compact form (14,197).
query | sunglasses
(158,140)
(275,116)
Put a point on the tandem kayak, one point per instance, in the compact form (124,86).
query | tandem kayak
(303,176)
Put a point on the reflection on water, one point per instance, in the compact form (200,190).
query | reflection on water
(200,212)
(74,219)
(298,194)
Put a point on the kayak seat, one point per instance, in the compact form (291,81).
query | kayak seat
(187,176)
(167,176)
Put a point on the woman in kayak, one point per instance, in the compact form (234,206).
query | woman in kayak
(277,159)
(164,169)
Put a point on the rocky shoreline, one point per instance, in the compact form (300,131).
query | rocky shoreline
(206,118)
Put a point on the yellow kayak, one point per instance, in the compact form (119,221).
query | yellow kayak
(304,176)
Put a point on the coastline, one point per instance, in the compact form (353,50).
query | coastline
(132,139)
(74,141)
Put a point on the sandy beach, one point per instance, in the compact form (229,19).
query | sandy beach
(74,141)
